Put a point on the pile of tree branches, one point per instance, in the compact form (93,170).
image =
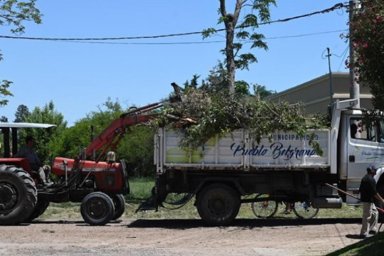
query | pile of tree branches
(201,115)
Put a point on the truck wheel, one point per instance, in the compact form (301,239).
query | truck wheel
(97,208)
(304,210)
(218,204)
(119,203)
(264,209)
(40,208)
(18,195)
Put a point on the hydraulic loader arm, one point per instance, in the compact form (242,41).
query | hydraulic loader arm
(111,136)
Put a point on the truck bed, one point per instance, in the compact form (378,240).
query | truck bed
(237,151)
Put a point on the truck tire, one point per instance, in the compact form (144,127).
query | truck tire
(97,208)
(18,195)
(119,203)
(40,208)
(218,204)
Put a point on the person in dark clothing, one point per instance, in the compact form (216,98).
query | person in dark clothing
(368,195)
(27,151)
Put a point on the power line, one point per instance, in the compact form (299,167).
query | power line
(205,42)
(343,57)
(307,34)
(327,10)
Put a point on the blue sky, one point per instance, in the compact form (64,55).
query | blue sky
(80,77)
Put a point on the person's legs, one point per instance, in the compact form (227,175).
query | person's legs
(374,218)
(366,219)
(44,173)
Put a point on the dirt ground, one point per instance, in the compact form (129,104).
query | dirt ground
(149,237)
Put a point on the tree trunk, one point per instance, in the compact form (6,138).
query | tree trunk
(231,68)
(230,21)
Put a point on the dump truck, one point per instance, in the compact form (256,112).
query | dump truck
(226,171)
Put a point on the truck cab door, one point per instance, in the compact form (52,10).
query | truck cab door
(365,146)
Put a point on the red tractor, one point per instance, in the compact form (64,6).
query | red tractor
(99,184)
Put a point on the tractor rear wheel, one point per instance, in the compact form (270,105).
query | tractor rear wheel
(119,203)
(97,208)
(218,204)
(18,195)
(40,208)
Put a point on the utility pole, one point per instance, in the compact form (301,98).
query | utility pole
(354,89)
(330,75)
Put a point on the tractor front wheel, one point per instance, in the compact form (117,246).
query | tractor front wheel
(119,203)
(18,195)
(97,208)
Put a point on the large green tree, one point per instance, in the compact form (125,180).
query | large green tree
(367,37)
(136,147)
(45,138)
(22,113)
(76,138)
(238,28)
(14,14)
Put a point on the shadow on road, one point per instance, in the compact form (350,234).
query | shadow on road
(71,222)
(243,223)
(198,223)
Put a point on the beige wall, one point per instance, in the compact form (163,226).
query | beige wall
(315,94)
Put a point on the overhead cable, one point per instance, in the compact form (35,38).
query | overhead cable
(208,42)
(327,10)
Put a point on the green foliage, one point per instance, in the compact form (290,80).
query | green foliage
(4,91)
(217,79)
(204,115)
(45,138)
(136,147)
(140,189)
(261,91)
(237,30)
(193,83)
(242,87)
(14,13)
(208,32)
(244,60)
(74,139)
(367,37)
(22,113)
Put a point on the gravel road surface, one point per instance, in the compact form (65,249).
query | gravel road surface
(149,237)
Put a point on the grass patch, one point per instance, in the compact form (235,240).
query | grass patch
(62,211)
(141,189)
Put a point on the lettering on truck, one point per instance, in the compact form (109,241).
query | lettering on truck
(277,150)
